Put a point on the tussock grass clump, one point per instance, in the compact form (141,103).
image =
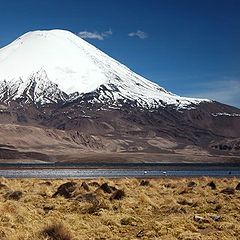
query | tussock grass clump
(56,231)
(13,195)
(66,190)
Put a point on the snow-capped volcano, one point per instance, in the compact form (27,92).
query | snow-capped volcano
(101,105)
(56,65)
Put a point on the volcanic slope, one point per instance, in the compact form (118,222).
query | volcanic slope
(53,81)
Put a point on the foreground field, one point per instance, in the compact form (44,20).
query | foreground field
(187,209)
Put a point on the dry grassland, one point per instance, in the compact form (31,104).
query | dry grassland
(186,209)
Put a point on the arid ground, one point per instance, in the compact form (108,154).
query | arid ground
(189,209)
(20,143)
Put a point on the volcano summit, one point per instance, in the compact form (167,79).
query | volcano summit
(62,98)
(73,67)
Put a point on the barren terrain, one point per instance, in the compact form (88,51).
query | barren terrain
(24,143)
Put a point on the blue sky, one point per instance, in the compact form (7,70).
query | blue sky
(190,47)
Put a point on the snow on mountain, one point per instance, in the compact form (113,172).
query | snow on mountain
(48,66)
(36,88)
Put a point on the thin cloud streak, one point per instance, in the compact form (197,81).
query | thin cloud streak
(140,34)
(95,35)
(222,91)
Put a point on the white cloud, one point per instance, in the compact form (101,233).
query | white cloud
(138,33)
(227,91)
(107,33)
(95,35)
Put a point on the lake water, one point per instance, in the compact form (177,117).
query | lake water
(113,173)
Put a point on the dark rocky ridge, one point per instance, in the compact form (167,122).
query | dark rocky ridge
(125,127)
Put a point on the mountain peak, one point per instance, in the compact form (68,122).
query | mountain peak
(57,33)
(74,65)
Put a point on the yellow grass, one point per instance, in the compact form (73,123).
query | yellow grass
(163,210)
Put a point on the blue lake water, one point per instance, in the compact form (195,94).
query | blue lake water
(113,173)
